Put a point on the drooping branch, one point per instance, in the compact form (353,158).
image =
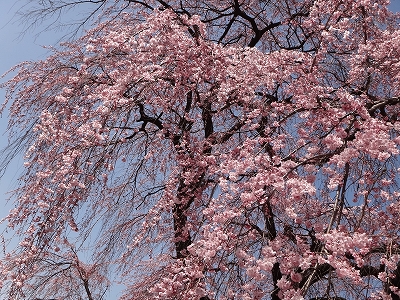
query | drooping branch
(339,199)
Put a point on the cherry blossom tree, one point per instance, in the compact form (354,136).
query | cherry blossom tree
(211,150)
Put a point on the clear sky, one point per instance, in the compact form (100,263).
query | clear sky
(16,46)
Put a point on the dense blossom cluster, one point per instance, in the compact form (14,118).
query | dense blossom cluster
(212,150)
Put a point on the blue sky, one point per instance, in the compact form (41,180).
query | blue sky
(15,47)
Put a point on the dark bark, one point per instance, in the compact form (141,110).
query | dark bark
(182,236)
(271,229)
(395,281)
(276,275)
(187,193)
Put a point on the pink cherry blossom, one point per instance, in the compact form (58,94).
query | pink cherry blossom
(210,150)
